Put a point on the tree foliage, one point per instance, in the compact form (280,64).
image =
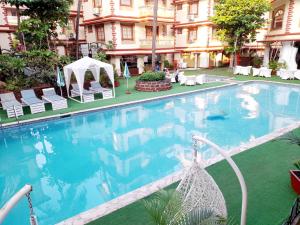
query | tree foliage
(237,21)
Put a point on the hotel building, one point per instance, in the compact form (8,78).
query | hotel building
(185,34)
(283,37)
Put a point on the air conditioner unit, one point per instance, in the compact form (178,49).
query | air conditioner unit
(71,36)
(97,11)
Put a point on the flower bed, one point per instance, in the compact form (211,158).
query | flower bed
(153,86)
(152,82)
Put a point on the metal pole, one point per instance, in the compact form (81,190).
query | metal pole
(77,28)
(237,172)
(154,28)
(13,201)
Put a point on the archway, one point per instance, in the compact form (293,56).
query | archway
(297,45)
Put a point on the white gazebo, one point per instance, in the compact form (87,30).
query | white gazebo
(79,69)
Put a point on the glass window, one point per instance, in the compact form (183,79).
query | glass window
(100,33)
(193,8)
(149,31)
(179,7)
(192,35)
(90,29)
(278,15)
(97,3)
(127,32)
(125,2)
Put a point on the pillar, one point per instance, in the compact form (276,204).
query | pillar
(140,63)
(267,55)
(204,59)
(195,60)
(116,60)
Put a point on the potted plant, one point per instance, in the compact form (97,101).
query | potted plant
(295,173)
(273,65)
(257,62)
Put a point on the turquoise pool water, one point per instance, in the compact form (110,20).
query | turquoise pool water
(77,163)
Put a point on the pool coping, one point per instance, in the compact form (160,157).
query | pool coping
(62,115)
(146,190)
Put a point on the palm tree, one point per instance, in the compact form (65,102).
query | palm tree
(166,209)
(154,28)
(77,28)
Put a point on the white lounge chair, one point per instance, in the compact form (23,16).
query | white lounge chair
(265,72)
(87,95)
(237,70)
(200,79)
(190,81)
(97,88)
(181,78)
(11,105)
(245,70)
(287,74)
(57,102)
(297,74)
(255,71)
(29,99)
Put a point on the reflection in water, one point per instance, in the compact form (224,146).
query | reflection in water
(77,163)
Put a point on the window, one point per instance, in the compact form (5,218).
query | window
(13,12)
(193,8)
(278,15)
(127,32)
(149,31)
(90,28)
(97,3)
(179,7)
(164,30)
(179,30)
(125,3)
(100,33)
(192,35)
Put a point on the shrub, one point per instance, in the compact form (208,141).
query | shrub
(152,76)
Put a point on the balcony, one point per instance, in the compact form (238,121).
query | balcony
(160,43)
(13,20)
(147,11)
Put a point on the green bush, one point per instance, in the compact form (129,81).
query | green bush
(152,76)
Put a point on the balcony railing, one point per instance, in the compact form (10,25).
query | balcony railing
(13,20)
(147,10)
(160,43)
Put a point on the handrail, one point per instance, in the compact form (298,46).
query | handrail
(235,169)
(13,201)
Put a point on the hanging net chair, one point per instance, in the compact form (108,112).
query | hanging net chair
(199,190)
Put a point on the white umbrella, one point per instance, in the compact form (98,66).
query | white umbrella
(126,74)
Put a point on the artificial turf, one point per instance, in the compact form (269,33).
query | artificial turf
(121,97)
(266,171)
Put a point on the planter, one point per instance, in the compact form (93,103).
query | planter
(295,180)
(117,83)
(153,86)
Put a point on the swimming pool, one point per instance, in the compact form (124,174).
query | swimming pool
(79,162)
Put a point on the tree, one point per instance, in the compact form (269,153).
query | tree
(35,33)
(77,27)
(51,13)
(237,22)
(154,28)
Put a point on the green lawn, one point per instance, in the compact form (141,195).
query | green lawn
(228,72)
(121,97)
(266,171)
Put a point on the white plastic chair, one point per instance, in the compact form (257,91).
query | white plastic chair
(237,70)
(265,72)
(287,74)
(200,79)
(190,81)
(297,74)
(255,71)
(182,79)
